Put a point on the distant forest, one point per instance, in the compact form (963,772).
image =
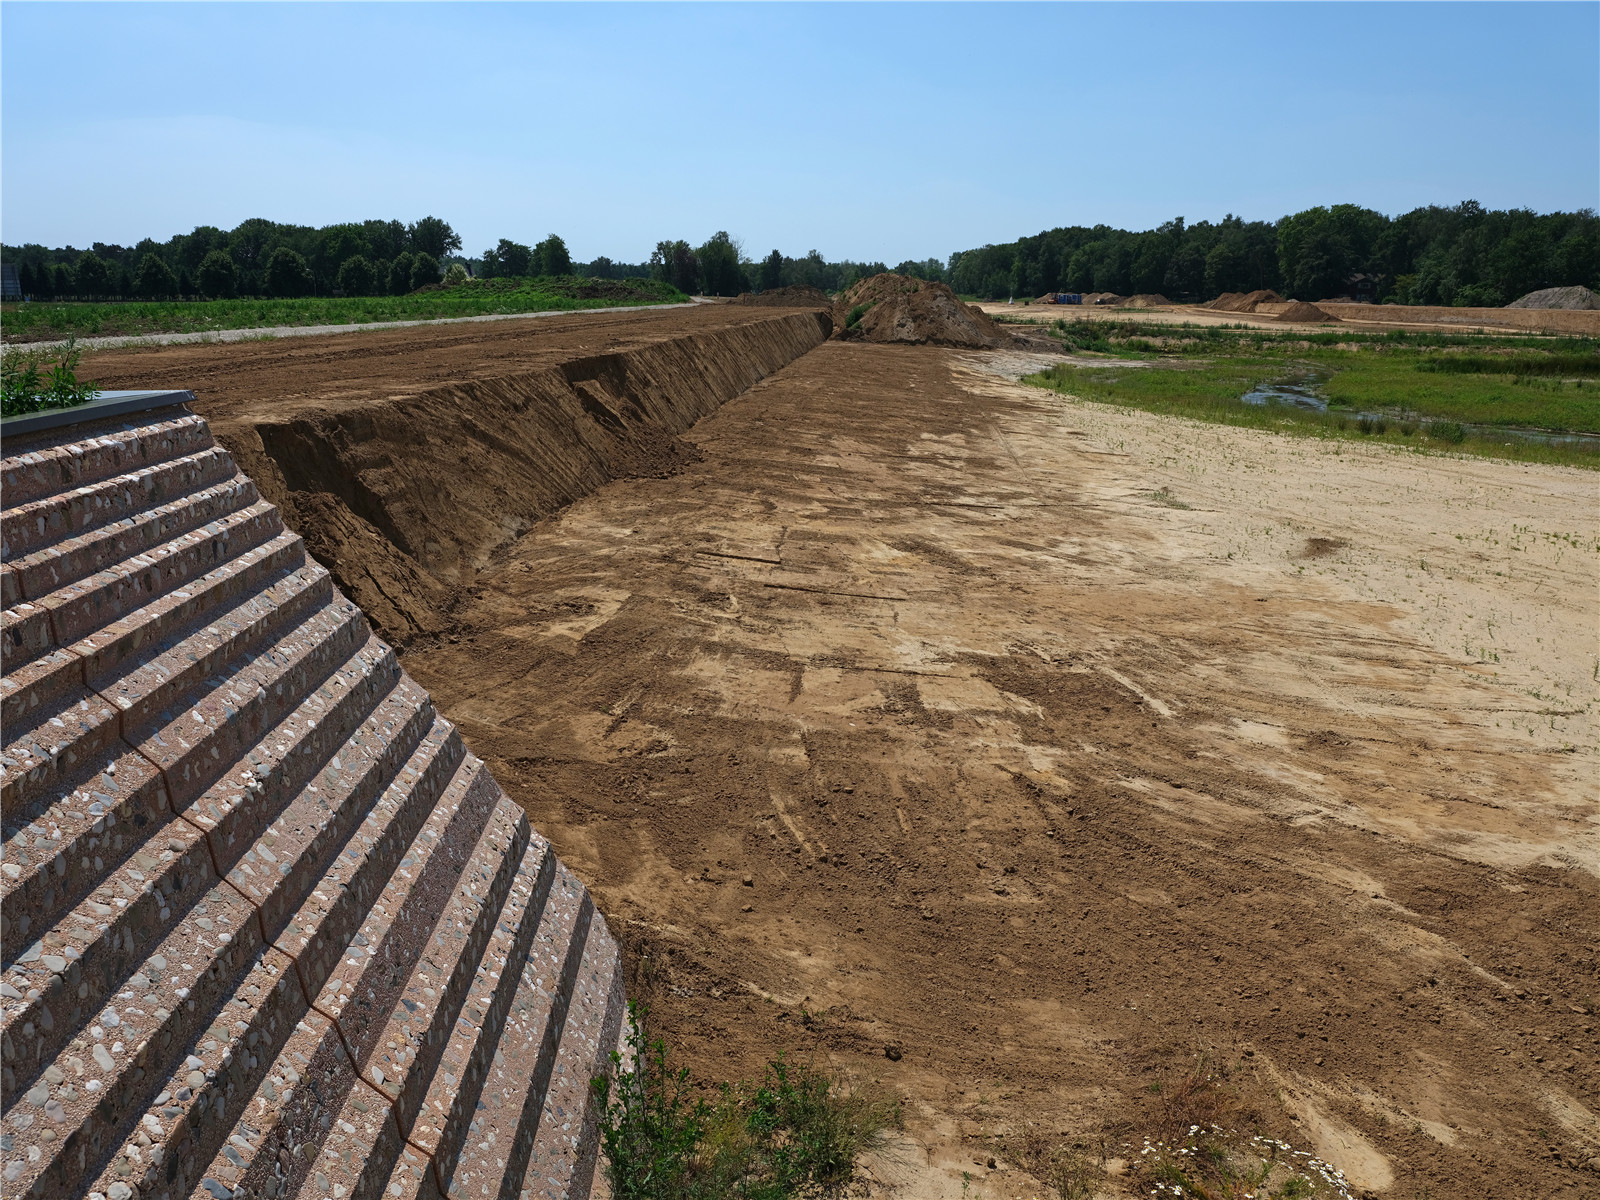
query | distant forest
(1466,255)
(265,258)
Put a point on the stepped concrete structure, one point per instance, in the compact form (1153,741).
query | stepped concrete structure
(268,929)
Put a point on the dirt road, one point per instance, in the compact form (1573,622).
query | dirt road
(1053,744)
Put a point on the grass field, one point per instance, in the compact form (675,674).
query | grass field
(1451,391)
(51,321)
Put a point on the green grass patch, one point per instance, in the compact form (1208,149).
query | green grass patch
(795,1133)
(1383,387)
(52,321)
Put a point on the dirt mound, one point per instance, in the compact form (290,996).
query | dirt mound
(796,295)
(1147,300)
(898,308)
(1103,298)
(1244,302)
(1301,313)
(1559,297)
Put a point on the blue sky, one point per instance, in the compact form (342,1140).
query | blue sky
(864,131)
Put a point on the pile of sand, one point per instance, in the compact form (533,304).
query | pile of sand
(1147,300)
(1103,298)
(796,295)
(1301,313)
(902,309)
(1244,302)
(1578,297)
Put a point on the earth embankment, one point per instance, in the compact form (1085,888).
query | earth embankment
(405,492)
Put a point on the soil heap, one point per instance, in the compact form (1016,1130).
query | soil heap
(1301,313)
(898,308)
(1102,298)
(1147,300)
(1559,297)
(1244,302)
(796,295)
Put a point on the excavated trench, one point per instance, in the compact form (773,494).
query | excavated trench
(405,498)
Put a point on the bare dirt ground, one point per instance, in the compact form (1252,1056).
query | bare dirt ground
(1051,745)
(1360,318)
(280,375)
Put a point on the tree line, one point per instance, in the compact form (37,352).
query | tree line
(256,258)
(266,258)
(1462,255)
(718,267)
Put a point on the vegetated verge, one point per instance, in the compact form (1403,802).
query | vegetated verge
(475,297)
(366,484)
(797,1132)
(1525,398)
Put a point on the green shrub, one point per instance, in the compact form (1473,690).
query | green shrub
(1448,431)
(795,1134)
(26,386)
(853,317)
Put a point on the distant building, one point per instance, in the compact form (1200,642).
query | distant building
(10,286)
(1361,289)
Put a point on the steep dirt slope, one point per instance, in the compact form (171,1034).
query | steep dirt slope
(404,486)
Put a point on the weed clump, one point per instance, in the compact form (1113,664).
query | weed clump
(795,1133)
(29,385)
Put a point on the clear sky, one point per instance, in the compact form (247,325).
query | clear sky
(864,131)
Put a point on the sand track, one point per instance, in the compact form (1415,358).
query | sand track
(1053,743)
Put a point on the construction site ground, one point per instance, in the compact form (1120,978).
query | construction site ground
(1015,751)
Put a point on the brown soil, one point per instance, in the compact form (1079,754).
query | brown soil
(1147,300)
(897,712)
(1244,302)
(1576,298)
(915,312)
(1300,313)
(796,295)
(406,458)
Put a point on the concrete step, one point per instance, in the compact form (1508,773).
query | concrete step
(461,982)
(28,528)
(50,852)
(525,1042)
(53,567)
(79,609)
(103,934)
(261,914)
(69,460)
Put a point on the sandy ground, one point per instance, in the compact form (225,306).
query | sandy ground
(1052,744)
(1363,318)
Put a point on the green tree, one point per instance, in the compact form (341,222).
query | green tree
(358,276)
(507,259)
(771,272)
(94,277)
(434,237)
(154,280)
(552,256)
(720,272)
(400,274)
(287,275)
(218,276)
(424,270)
